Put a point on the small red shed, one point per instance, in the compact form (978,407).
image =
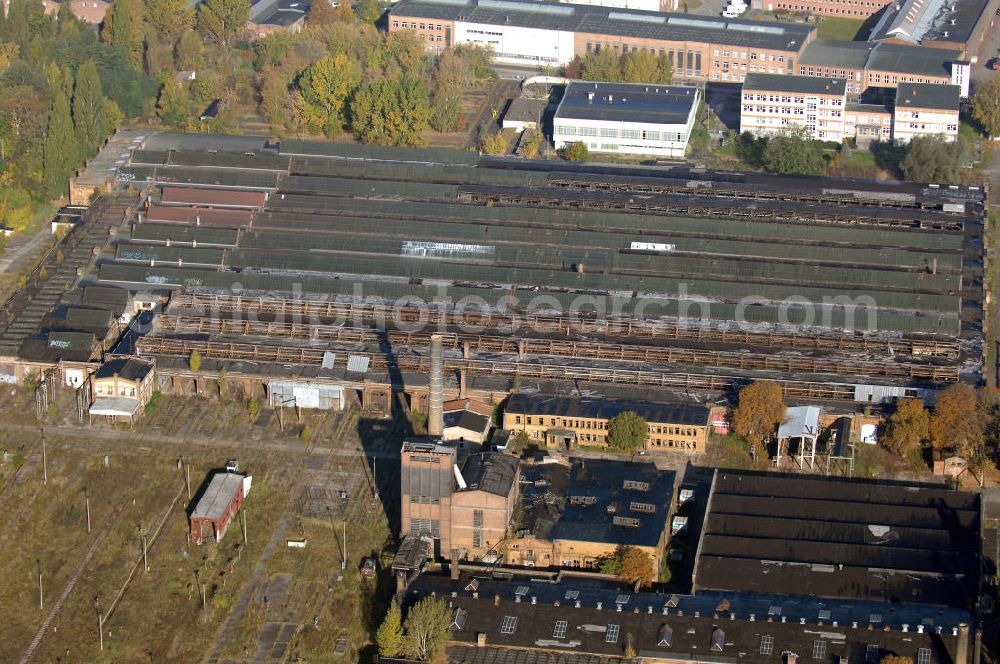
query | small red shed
(217,506)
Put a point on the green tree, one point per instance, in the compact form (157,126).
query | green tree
(933,159)
(390,111)
(645,67)
(194,360)
(604,65)
(452,76)
(325,87)
(627,432)
(170,18)
(189,52)
(253,410)
(986,106)
(174,103)
(479,59)
(907,428)
(88,108)
(389,636)
(123,28)
(426,629)
(794,154)
(759,412)
(221,21)
(493,144)
(576,152)
(60,152)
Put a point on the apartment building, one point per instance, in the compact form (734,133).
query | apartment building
(627,119)
(565,422)
(461,496)
(526,32)
(925,110)
(772,104)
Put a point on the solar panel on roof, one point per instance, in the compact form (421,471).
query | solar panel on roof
(612,634)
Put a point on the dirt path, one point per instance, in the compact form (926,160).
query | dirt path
(141,438)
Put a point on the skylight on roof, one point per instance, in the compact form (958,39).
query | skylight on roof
(695,23)
(763,29)
(824,614)
(559,631)
(572,594)
(508,625)
(521,591)
(611,636)
(638,18)
(533,7)
(622,599)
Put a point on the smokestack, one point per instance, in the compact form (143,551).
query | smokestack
(435,414)
(962,651)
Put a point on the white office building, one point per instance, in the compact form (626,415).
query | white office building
(775,104)
(925,109)
(639,119)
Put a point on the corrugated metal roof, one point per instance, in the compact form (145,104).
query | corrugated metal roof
(221,491)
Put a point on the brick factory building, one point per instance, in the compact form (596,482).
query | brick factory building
(563,423)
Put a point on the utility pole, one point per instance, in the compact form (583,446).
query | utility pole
(145,563)
(187,479)
(343,559)
(41,599)
(100,622)
(45,463)
(86,497)
(244,511)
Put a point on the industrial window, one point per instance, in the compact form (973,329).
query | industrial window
(611,636)
(648,508)
(559,632)
(819,649)
(477,538)
(872,653)
(477,518)
(508,625)
(924,656)
(766,645)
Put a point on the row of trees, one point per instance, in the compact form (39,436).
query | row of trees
(634,67)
